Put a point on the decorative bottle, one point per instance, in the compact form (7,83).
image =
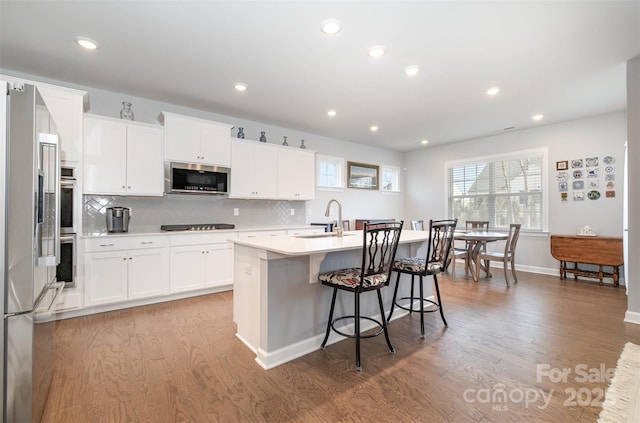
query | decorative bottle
(126,113)
(263,138)
(240,133)
(302,144)
(285,141)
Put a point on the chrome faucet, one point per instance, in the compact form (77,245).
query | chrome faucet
(338,228)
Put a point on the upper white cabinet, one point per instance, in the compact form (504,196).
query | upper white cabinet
(296,174)
(265,171)
(66,107)
(254,170)
(122,157)
(193,140)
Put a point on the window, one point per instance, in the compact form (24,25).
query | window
(390,178)
(330,171)
(501,189)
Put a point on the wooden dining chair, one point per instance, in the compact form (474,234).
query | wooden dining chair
(506,257)
(379,246)
(462,253)
(417,225)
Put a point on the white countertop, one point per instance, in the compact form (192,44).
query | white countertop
(321,243)
(157,231)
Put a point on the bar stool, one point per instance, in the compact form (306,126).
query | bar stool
(438,246)
(379,245)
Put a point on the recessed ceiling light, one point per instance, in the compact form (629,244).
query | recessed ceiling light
(537,117)
(377,51)
(411,70)
(373,128)
(86,43)
(240,86)
(424,142)
(493,91)
(331,113)
(330,26)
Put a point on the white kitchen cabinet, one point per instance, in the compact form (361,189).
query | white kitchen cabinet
(296,174)
(66,107)
(260,171)
(254,170)
(199,261)
(127,268)
(200,266)
(122,158)
(193,140)
(106,277)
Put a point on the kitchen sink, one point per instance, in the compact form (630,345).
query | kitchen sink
(321,235)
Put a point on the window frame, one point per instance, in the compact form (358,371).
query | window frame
(397,171)
(542,152)
(340,176)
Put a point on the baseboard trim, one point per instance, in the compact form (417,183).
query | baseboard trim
(632,317)
(269,360)
(85,311)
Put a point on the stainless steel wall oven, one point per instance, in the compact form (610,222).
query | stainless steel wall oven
(67,200)
(66,270)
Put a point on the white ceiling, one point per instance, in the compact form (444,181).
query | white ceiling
(563,59)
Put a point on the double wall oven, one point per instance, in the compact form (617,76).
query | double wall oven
(66,270)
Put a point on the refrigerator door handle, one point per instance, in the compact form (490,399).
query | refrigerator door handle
(48,221)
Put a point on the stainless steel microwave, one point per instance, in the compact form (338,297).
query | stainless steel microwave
(191,178)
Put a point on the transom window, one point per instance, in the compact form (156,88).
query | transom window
(390,178)
(501,189)
(330,171)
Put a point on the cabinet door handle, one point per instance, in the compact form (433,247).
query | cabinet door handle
(128,187)
(106,245)
(146,242)
(130,258)
(124,258)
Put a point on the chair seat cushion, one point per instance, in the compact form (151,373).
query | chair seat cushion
(416,265)
(351,278)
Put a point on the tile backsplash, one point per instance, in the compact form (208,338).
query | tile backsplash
(148,213)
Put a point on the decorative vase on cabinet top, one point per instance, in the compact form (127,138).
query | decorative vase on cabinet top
(126,113)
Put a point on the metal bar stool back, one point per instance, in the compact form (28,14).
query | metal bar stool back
(379,246)
(439,244)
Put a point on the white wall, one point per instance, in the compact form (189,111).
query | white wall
(633,133)
(596,136)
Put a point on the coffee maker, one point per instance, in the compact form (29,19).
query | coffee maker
(118,219)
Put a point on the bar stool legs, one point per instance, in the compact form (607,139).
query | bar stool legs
(410,308)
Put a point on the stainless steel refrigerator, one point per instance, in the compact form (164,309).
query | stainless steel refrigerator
(30,248)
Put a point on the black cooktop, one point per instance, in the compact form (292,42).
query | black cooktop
(197,227)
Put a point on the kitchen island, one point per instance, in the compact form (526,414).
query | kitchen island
(281,309)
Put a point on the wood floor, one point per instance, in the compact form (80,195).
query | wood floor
(180,362)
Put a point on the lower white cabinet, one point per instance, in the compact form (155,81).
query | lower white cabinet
(199,261)
(123,269)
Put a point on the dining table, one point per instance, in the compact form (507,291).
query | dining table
(475,241)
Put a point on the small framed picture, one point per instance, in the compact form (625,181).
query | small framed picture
(610,194)
(578,196)
(576,163)
(577,174)
(577,185)
(563,196)
(562,186)
(563,165)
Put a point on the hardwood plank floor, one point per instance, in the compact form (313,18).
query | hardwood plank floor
(180,362)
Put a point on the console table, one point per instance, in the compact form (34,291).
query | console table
(597,250)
